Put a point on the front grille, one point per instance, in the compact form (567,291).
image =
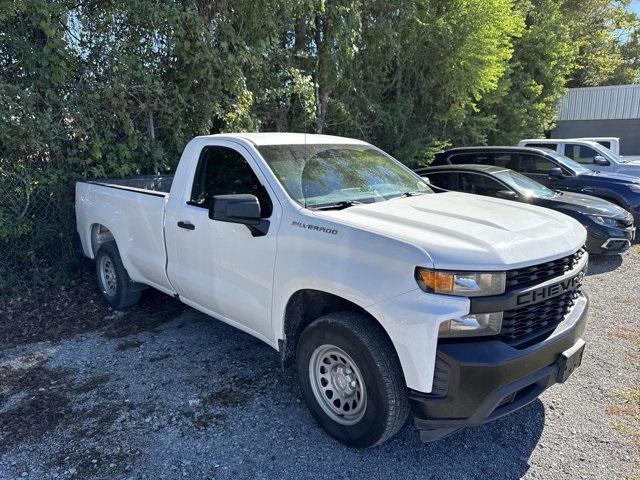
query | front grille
(526,276)
(524,324)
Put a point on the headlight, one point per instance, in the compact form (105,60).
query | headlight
(634,187)
(472,325)
(467,284)
(606,221)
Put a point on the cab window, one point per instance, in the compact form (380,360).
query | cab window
(580,153)
(548,146)
(224,171)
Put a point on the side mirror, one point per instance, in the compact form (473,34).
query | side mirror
(240,208)
(556,172)
(600,160)
(507,194)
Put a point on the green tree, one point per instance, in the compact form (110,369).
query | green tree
(526,100)
(600,30)
(91,88)
(420,67)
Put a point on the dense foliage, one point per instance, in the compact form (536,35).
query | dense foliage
(95,88)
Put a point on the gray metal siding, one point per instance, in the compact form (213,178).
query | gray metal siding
(627,130)
(599,103)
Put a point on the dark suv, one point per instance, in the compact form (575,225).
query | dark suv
(553,170)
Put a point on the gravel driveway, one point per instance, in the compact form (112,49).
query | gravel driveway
(193,398)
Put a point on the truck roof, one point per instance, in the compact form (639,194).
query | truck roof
(286,138)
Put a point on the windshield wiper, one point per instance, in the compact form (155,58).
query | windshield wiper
(411,194)
(338,206)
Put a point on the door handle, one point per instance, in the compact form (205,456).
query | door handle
(186,225)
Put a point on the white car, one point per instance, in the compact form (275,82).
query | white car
(388,299)
(589,153)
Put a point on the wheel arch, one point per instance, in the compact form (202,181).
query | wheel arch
(306,305)
(98,235)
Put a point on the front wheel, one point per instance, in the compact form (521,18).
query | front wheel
(351,379)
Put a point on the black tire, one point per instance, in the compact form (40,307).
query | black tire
(387,402)
(123,293)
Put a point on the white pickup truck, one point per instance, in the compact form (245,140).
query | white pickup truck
(590,153)
(388,299)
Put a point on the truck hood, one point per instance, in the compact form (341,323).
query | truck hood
(459,231)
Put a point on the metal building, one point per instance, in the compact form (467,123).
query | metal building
(612,111)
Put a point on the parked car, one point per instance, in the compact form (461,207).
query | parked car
(552,170)
(609,227)
(388,298)
(587,153)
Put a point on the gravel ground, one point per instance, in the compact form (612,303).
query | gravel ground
(182,396)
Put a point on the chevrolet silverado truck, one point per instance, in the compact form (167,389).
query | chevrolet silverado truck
(388,299)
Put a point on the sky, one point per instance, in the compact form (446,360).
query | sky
(635,6)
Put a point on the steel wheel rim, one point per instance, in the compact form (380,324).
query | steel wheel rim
(337,384)
(108,276)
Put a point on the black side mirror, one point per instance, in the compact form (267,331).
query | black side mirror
(507,194)
(240,208)
(556,172)
(600,160)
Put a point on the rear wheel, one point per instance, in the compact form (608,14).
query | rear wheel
(117,288)
(351,379)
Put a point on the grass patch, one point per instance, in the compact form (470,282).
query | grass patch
(630,334)
(626,411)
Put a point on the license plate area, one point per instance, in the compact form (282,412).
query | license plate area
(570,360)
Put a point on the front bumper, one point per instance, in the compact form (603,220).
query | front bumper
(487,379)
(603,240)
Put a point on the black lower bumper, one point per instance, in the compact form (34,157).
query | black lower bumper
(487,379)
(609,240)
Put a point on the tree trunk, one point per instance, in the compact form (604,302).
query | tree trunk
(152,135)
(322,63)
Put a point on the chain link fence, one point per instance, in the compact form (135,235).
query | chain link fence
(38,241)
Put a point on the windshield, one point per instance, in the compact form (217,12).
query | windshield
(322,175)
(611,155)
(572,164)
(524,185)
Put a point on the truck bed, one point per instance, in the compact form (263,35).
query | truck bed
(131,210)
(152,184)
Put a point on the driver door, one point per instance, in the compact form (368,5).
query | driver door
(221,267)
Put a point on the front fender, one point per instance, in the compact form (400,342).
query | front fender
(412,321)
